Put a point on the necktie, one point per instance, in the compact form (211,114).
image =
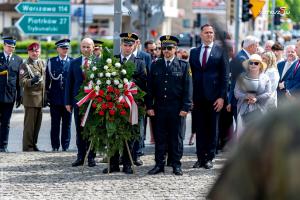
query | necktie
(86,63)
(62,62)
(296,67)
(168,63)
(204,57)
(124,60)
(7,59)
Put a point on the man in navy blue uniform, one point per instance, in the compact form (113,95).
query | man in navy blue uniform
(209,64)
(56,74)
(169,99)
(10,91)
(73,83)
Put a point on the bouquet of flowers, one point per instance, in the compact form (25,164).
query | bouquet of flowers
(108,102)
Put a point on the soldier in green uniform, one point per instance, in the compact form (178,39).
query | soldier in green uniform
(32,79)
(98,48)
(266,163)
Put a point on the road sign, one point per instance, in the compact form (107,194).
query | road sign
(43,8)
(44,25)
(257,6)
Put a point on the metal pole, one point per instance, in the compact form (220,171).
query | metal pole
(83,19)
(272,20)
(117,25)
(237,25)
(143,15)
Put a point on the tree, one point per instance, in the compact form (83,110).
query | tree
(294,10)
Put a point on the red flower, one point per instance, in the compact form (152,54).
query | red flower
(101,112)
(112,112)
(99,99)
(126,105)
(119,106)
(108,97)
(101,93)
(122,112)
(117,91)
(94,105)
(110,89)
(110,105)
(103,106)
(126,92)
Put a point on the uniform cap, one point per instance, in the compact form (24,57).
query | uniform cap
(9,40)
(64,43)
(33,46)
(168,40)
(129,38)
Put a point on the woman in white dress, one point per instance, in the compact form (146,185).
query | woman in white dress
(270,59)
(253,90)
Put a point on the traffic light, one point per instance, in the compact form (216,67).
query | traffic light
(277,16)
(246,11)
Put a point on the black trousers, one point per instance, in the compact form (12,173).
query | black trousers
(60,115)
(81,143)
(206,121)
(5,115)
(168,133)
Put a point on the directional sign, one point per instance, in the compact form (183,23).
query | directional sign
(44,25)
(43,8)
(257,6)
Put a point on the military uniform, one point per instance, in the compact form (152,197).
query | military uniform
(56,74)
(265,165)
(9,91)
(97,48)
(169,92)
(33,100)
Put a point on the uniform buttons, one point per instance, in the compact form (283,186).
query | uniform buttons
(166,81)
(165,96)
(165,88)
(166,74)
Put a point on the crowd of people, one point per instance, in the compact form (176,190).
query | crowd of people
(221,89)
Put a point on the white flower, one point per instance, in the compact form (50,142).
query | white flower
(114,73)
(90,86)
(98,82)
(116,82)
(94,68)
(108,61)
(92,76)
(107,74)
(108,82)
(105,67)
(123,71)
(125,80)
(120,86)
(118,65)
(91,82)
(97,88)
(100,74)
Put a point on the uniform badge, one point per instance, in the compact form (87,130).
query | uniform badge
(22,71)
(167,37)
(190,72)
(129,35)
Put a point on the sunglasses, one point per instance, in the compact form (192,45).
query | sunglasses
(167,48)
(253,63)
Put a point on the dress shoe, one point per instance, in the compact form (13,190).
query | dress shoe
(35,149)
(177,171)
(138,162)
(77,162)
(91,163)
(127,169)
(156,170)
(3,150)
(112,169)
(208,165)
(198,164)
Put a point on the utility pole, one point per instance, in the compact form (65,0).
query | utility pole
(272,20)
(117,25)
(237,25)
(83,18)
(144,12)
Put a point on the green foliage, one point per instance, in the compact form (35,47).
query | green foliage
(294,9)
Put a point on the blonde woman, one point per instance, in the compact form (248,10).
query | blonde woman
(272,72)
(252,90)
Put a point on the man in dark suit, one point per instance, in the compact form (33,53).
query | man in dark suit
(285,69)
(10,91)
(139,77)
(209,64)
(169,99)
(73,83)
(292,84)
(56,74)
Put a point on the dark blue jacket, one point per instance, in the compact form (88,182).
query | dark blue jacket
(9,82)
(292,84)
(56,88)
(147,59)
(211,82)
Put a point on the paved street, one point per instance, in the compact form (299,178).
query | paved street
(49,175)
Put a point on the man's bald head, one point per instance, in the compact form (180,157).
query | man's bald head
(87,47)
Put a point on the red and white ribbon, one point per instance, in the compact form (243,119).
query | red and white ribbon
(129,90)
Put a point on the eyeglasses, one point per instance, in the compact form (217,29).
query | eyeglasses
(152,50)
(158,48)
(253,63)
(169,48)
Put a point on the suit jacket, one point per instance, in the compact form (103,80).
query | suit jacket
(280,67)
(209,83)
(9,79)
(292,84)
(147,59)
(33,94)
(74,81)
(55,88)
